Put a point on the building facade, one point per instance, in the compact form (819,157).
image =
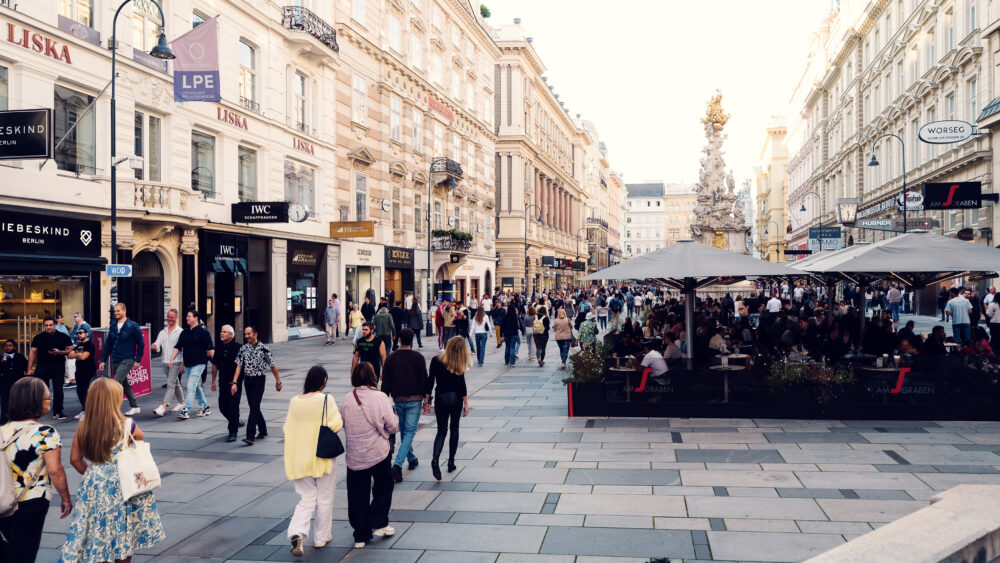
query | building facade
(615,217)
(771,214)
(645,218)
(678,201)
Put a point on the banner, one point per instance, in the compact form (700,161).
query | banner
(140,378)
(196,68)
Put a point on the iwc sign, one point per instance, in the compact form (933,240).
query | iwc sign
(945,132)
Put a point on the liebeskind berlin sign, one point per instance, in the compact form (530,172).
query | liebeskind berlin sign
(945,132)
(25,133)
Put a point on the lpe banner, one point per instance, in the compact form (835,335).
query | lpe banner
(196,68)
(140,377)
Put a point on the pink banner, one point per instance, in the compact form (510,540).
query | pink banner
(196,68)
(140,378)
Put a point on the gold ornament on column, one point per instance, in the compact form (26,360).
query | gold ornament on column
(719,240)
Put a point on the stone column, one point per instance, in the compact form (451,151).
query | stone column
(559,211)
(279,281)
(550,203)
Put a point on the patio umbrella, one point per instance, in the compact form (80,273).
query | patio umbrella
(689,266)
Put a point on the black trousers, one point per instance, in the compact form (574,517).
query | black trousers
(54,375)
(255,392)
(374,483)
(994,334)
(5,385)
(22,532)
(229,402)
(541,341)
(448,410)
(82,386)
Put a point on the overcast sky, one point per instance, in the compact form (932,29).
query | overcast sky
(643,70)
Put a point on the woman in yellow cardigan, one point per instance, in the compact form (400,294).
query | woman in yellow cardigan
(315,478)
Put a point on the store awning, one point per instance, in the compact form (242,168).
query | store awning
(990,110)
(236,266)
(43,263)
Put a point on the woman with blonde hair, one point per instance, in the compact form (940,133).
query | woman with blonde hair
(356,319)
(105,526)
(451,400)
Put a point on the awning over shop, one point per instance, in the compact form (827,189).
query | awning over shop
(43,263)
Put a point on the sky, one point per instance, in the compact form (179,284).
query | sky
(643,71)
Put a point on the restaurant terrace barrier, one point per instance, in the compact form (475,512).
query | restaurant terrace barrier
(962,524)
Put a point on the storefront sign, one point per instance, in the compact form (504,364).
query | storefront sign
(549,261)
(139,377)
(303,146)
(305,257)
(45,234)
(914,201)
(398,258)
(874,224)
(436,106)
(953,195)
(915,223)
(352,229)
(260,212)
(579,266)
(225,253)
(876,208)
(38,43)
(232,118)
(25,133)
(945,132)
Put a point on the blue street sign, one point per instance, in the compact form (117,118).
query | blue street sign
(118,270)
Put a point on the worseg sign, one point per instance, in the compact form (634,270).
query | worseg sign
(945,132)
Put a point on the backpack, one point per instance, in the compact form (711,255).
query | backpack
(8,500)
(538,326)
(616,305)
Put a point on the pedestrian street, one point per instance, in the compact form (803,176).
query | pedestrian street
(534,485)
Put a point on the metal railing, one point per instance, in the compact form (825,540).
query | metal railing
(448,166)
(250,104)
(597,221)
(451,243)
(297,18)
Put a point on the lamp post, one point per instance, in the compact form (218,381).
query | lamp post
(777,247)
(874,162)
(819,215)
(526,208)
(162,50)
(578,231)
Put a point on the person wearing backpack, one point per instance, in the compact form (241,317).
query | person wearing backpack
(615,306)
(540,333)
(529,330)
(33,452)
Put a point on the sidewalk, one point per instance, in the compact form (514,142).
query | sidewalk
(534,485)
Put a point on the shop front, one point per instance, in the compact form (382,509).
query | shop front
(305,290)
(224,272)
(48,265)
(363,265)
(399,273)
(471,278)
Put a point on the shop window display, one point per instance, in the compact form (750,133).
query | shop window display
(26,300)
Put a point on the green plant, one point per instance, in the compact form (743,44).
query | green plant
(455,234)
(484,11)
(828,382)
(587,365)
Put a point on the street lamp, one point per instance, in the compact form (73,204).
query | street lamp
(820,215)
(163,51)
(438,165)
(526,208)
(578,231)
(777,246)
(874,162)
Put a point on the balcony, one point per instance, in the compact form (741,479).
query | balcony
(249,104)
(163,198)
(445,171)
(597,221)
(452,241)
(297,18)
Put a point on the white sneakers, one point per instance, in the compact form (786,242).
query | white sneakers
(79,415)
(178,407)
(359,544)
(388,531)
(132,411)
(160,410)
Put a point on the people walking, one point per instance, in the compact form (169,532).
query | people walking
(415,320)
(563,332)
(480,330)
(356,320)
(540,332)
(195,347)
(34,451)
(368,423)
(106,526)
(315,478)
(165,342)
(47,361)
(511,329)
(404,378)
(451,402)
(369,349)
(13,366)
(958,309)
(528,322)
(497,315)
(398,322)
(385,328)
(124,346)
(83,356)
(252,363)
(224,368)
(330,319)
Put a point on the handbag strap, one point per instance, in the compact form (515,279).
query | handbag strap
(322,420)
(356,397)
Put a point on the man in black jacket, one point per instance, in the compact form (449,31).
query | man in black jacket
(224,363)
(398,320)
(404,378)
(368,310)
(13,366)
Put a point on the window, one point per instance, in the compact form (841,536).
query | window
(470,95)
(145,28)
(248,76)
(437,214)
(358,11)
(147,145)
(437,16)
(915,142)
(81,11)
(952,220)
(950,105)
(418,130)
(472,221)
(456,147)
(203,163)
(950,32)
(77,153)
(436,68)
(438,139)
(418,213)
(359,100)
(360,196)
(247,174)
(456,36)
(899,78)
(972,218)
(416,51)
(396,119)
(971,20)
(299,91)
(456,85)
(973,103)
(4,87)
(300,184)
(456,219)
(932,148)
(470,151)
(489,228)
(196,19)
(397,207)
(395,41)
(914,66)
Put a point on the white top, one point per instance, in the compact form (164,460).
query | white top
(654,360)
(476,328)
(408,302)
(487,304)
(166,340)
(773,305)
(798,293)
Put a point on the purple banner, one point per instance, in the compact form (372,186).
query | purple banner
(196,68)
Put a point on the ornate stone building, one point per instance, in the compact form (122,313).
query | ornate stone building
(771,214)
(645,218)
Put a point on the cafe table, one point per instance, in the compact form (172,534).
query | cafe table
(626,372)
(726,370)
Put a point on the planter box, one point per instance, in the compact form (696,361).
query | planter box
(585,399)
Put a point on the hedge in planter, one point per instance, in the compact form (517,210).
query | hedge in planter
(585,385)
(802,389)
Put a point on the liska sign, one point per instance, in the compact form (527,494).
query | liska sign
(945,132)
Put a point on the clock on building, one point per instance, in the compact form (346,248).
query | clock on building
(298,212)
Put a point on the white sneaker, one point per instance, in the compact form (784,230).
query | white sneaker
(183,415)
(320,543)
(79,416)
(359,544)
(388,531)
(205,411)
(132,411)
(160,410)
(178,407)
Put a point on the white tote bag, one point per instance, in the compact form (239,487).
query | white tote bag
(137,470)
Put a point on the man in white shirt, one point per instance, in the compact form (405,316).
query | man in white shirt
(166,340)
(653,359)
(799,292)
(773,305)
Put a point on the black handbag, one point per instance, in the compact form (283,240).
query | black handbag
(328,446)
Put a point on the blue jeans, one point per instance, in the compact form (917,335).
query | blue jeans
(603,321)
(564,349)
(481,347)
(409,416)
(962,333)
(511,350)
(894,309)
(194,386)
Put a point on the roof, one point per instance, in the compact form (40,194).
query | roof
(991,109)
(654,189)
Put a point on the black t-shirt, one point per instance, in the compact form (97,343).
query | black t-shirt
(447,382)
(195,344)
(368,351)
(86,367)
(43,342)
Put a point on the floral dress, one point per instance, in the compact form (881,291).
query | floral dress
(105,527)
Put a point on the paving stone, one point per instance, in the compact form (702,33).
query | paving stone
(472,537)
(534,558)
(951,458)
(817,455)
(623,489)
(762,508)
(760,525)
(622,477)
(682,490)
(945,481)
(672,523)
(764,492)
(456,557)
(825,527)
(543,437)
(789,467)
(809,493)
(883,495)
(897,468)
(813,437)
(914,438)
(717,524)
(604,521)
(713,478)
(550,519)
(867,510)
(223,500)
(507,475)
(177,528)
(613,505)
(770,546)
(445,486)
(483,518)
(488,502)
(608,542)
(420,515)
(224,538)
(859,480)
(730,456)
(505,487)
(547,488)
(847,467)
(616,454)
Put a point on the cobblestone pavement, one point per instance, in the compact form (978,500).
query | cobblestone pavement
(534,485)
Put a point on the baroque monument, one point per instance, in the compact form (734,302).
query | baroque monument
(719,221)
